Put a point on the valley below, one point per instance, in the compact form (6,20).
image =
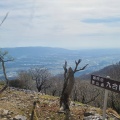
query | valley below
(53,59)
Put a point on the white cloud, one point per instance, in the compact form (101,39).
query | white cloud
(59,22)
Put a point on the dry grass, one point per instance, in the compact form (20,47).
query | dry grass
(21,103)
(112,112)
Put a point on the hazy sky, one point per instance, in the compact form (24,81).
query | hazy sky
(72,24)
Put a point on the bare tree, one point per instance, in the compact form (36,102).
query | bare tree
(3,59)
(56,86)
(24,78)
(41,76)
(68,85)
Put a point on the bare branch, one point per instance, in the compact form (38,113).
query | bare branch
(65,66)
(4,18)
(8,60)
(65,69)
(4,56)
(92,99)
(81,68)
(77,63)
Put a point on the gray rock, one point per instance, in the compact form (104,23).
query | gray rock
(4,98)
(72,103)
(92,118)
(19,117)
(5,112)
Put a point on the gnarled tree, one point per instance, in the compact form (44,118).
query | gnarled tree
(3,59)
(68,84)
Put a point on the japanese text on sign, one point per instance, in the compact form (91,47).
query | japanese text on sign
(105,83)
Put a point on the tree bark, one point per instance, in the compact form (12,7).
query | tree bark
(5,75)
(68,86)
(39,89)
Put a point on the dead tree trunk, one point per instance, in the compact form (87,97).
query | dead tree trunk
(5,75)
(68,85)
(2,61)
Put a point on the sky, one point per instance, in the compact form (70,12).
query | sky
(70,24)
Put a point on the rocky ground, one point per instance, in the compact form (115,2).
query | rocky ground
(17,104)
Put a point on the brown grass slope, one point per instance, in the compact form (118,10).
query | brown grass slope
(20,102)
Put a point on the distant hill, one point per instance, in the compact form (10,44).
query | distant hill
(54,58)
(34,51)
(112,70)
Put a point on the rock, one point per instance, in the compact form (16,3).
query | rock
(72,103)
(32,96)
(9,116)
(92,118)
(95,117)
(3,98)
(36,98)
(5,112)
(19,117)
(48,118)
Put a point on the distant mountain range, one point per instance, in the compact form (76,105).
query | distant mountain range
(38,51)
(54,58)
(35,51)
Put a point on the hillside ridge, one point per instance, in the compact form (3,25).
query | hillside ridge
(18,103)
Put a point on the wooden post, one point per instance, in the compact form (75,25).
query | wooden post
(105,102)
(32,114)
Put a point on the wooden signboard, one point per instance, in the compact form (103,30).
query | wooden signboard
(105,83)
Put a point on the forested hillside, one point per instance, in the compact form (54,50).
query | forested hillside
(112,70)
